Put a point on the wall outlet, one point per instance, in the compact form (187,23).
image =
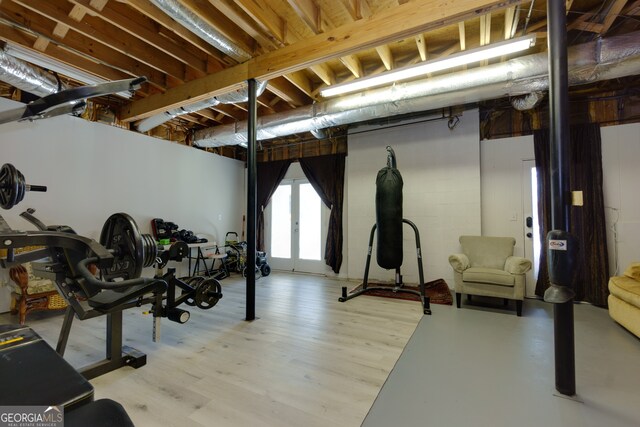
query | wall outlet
(219,217)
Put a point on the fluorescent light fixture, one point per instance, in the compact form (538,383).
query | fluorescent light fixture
(59,67)
(462,58)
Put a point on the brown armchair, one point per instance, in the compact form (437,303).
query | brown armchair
(32,293)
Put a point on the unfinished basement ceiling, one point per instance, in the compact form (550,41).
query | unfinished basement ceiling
(194,50)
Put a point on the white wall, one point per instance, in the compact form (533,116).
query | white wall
(621,170)
(441,174)
(93,170)
(502,195)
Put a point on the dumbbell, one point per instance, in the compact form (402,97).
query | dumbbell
(13,186)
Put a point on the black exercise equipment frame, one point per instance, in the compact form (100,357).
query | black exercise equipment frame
(424,299)
(80,287)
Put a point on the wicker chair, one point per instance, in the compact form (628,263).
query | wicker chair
(32,293)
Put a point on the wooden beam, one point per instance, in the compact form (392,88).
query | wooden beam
(76,42)
(508,22)
(232,111)
(613,13)
(147,8)
(353,64)
(58,53)
(422,47)
(230,9)
(264,16)
(462,35)
(301,81)
(633,8)
(384,52)
(485,33)
(592,27)
(568,5)
(310,13)
(353,7)
(286,90)
(397,23)
(134,28)
(325,73)
(485,29)
(124,44)
(222,24)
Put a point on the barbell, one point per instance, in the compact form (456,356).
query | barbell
(13,186)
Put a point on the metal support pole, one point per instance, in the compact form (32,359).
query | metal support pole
(559,162)
(252,174)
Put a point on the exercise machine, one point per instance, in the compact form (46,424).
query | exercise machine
(389,222)
(73,261)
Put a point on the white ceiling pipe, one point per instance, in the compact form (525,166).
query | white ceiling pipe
(599,60)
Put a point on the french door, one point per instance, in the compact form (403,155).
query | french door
(296,227)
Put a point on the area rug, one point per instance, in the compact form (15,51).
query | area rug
(437,291)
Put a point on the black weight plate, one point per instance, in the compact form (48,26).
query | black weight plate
(22,186)
(9,186)
(193,282)
(151,250)
(120,234)
(208,293)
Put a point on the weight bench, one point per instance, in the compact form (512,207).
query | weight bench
(35,375)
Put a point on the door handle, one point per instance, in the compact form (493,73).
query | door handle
(529,222)
(530,235)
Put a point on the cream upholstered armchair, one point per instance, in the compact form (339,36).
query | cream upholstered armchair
(488,268)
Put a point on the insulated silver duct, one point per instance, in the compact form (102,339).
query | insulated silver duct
(237,96)
(154,121)
(201,28)
(26,77)
(601,60)
(241,95)
(527,102)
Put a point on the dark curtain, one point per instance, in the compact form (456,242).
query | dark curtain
(270,174)
(326,175)
(587,221)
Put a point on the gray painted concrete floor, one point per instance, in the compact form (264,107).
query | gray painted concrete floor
(478,366)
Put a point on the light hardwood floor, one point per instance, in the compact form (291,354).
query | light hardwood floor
(307,361)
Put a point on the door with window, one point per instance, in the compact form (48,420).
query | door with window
(531,228)
(296,224)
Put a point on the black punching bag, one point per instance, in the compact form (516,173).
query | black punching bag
(389,214)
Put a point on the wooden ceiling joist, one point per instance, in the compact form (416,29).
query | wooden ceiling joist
(135,29)
(421,43)
(310,12)
(614,11)
(54,51)
(386,56)
(462,35)
(288,91)
(265,17)
(354,7)
(106,35)
(78,43)
(404,21)
(145,7)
